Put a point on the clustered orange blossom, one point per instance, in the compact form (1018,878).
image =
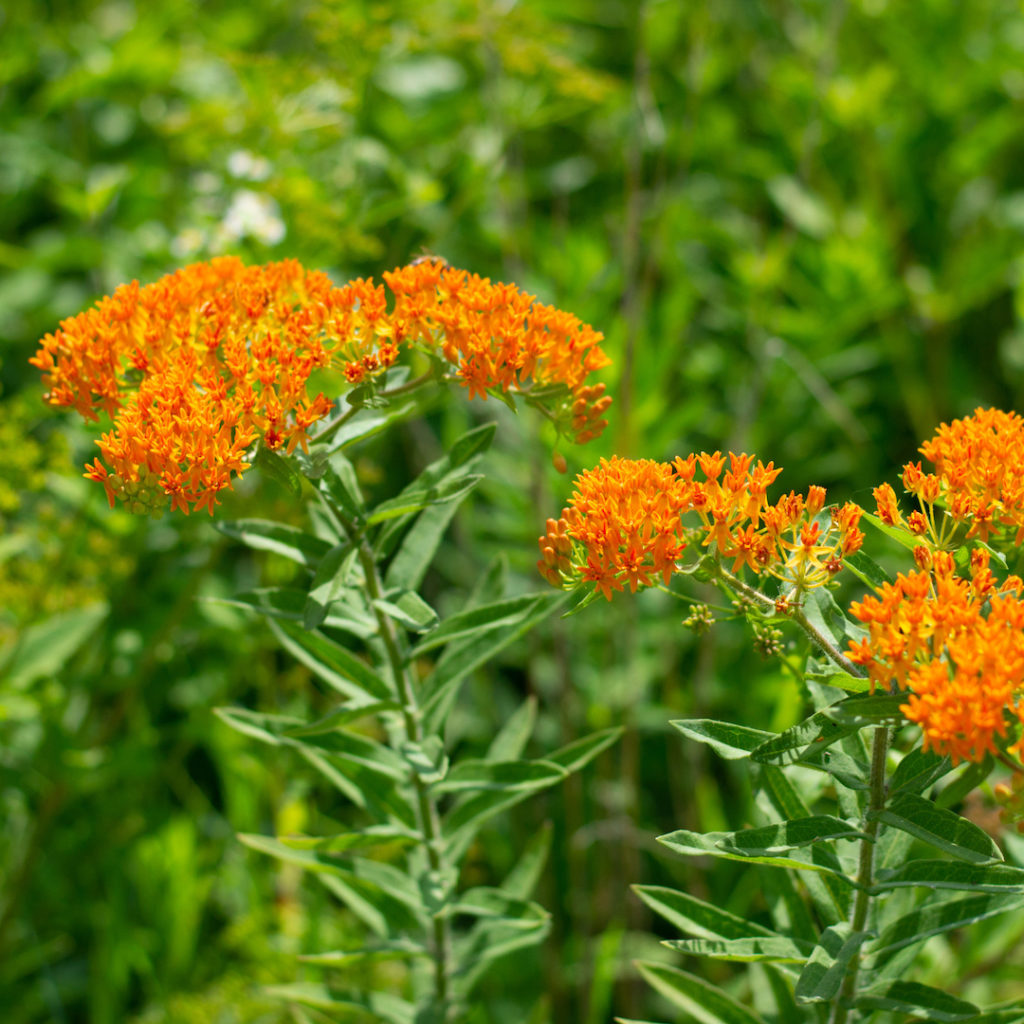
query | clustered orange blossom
(196,367)
(978,479)
(955,644)
(625,524)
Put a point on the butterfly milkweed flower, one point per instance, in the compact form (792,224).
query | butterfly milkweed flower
(955,645)
(196,368)
(978,481)
(629,521)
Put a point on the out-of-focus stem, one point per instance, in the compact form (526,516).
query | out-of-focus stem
(429,819)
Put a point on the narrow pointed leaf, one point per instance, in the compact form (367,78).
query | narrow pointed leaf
(917,1000)
(513,736)
(371,836)
(779,950)
(287,541)
(473,621)
(344,715)
(703,1001)
(690,914)
(573,756)
(934,919)
(826,968)
(280,469)
(506,776)
(409,610)
(944,874)
(940,828)
(329,582)
(372,952)
(333,663)
(917,771)
(414,501)
(727,740)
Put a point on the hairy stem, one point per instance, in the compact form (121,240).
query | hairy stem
(865,869)
(427,813)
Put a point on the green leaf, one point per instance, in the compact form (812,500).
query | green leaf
(343,842)
(340,716)
(379,894)
(689,914)
(287,603)
(944,874)
(911,997)
(461,658)
(367,423)
(876,709)
(573,756)
(918,770)
(507,776)
(734,846)
(824,971)
(414,555)
(371,1008)
(524,876)
(265,728)
(287,541)
(513,736)
(340,485)
(280,469)
(377,793)
(474,621)
(329,581)
(779,949)
(309,859)
(44,648)
(727,740)
(818,731)
(902,537)
(940,828)
(973,776)
(866,569)
(414,501)
(331,662)
(936,918)
(372,952)
(409,610)
(428,759)
(703,1001)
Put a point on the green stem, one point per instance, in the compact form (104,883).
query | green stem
(796,614)
(865,869)
(429,819)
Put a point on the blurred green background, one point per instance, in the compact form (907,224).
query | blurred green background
(800,225)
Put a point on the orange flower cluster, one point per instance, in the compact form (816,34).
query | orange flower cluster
(978,479)
(625,525)
(956,645)
(500,337)
(195,368)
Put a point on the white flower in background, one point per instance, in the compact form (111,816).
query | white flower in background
(243,164)
(253,215)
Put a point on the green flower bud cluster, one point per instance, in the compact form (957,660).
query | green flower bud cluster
(142,497)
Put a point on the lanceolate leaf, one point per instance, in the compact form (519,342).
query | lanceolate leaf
(393,949)
(689,914)
(727,740)
(910,997)
(733,846)
(506,776)
(279,468)
(941,828)
(866,569)
(944,874)
(475,621)
(824,972)
(703,1001)
(513,736)
(409,610)
(373,1008)
(917,771)
(334,664)
(934,919)
(329,582)
(414,501)
(779,950)
(288,603)
(265,535)
(573,756)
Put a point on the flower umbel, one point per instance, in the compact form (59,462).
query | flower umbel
(625,524)
(197,367)
(956,645)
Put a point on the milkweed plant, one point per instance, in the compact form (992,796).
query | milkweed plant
(915,691)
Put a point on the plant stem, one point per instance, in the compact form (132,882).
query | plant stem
(865,870)
(766,604)
(429,819)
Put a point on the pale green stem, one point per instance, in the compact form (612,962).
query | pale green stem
(865,869)
(427,813)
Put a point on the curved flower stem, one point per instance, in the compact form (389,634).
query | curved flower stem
(766,604)
(865,868)
(427,813)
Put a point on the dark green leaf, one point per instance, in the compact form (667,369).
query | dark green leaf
(727,740)
(414,501)
(507,776)
(703,1001)
(941,828)
(689,914)
(918,1000)
(824,971)
(43,648)
(474,621)
(329,581)
(918,770)
(280,469)
(287,541)
(409,610)
(944,874)
(372,952)
(286,603)
(779,949)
